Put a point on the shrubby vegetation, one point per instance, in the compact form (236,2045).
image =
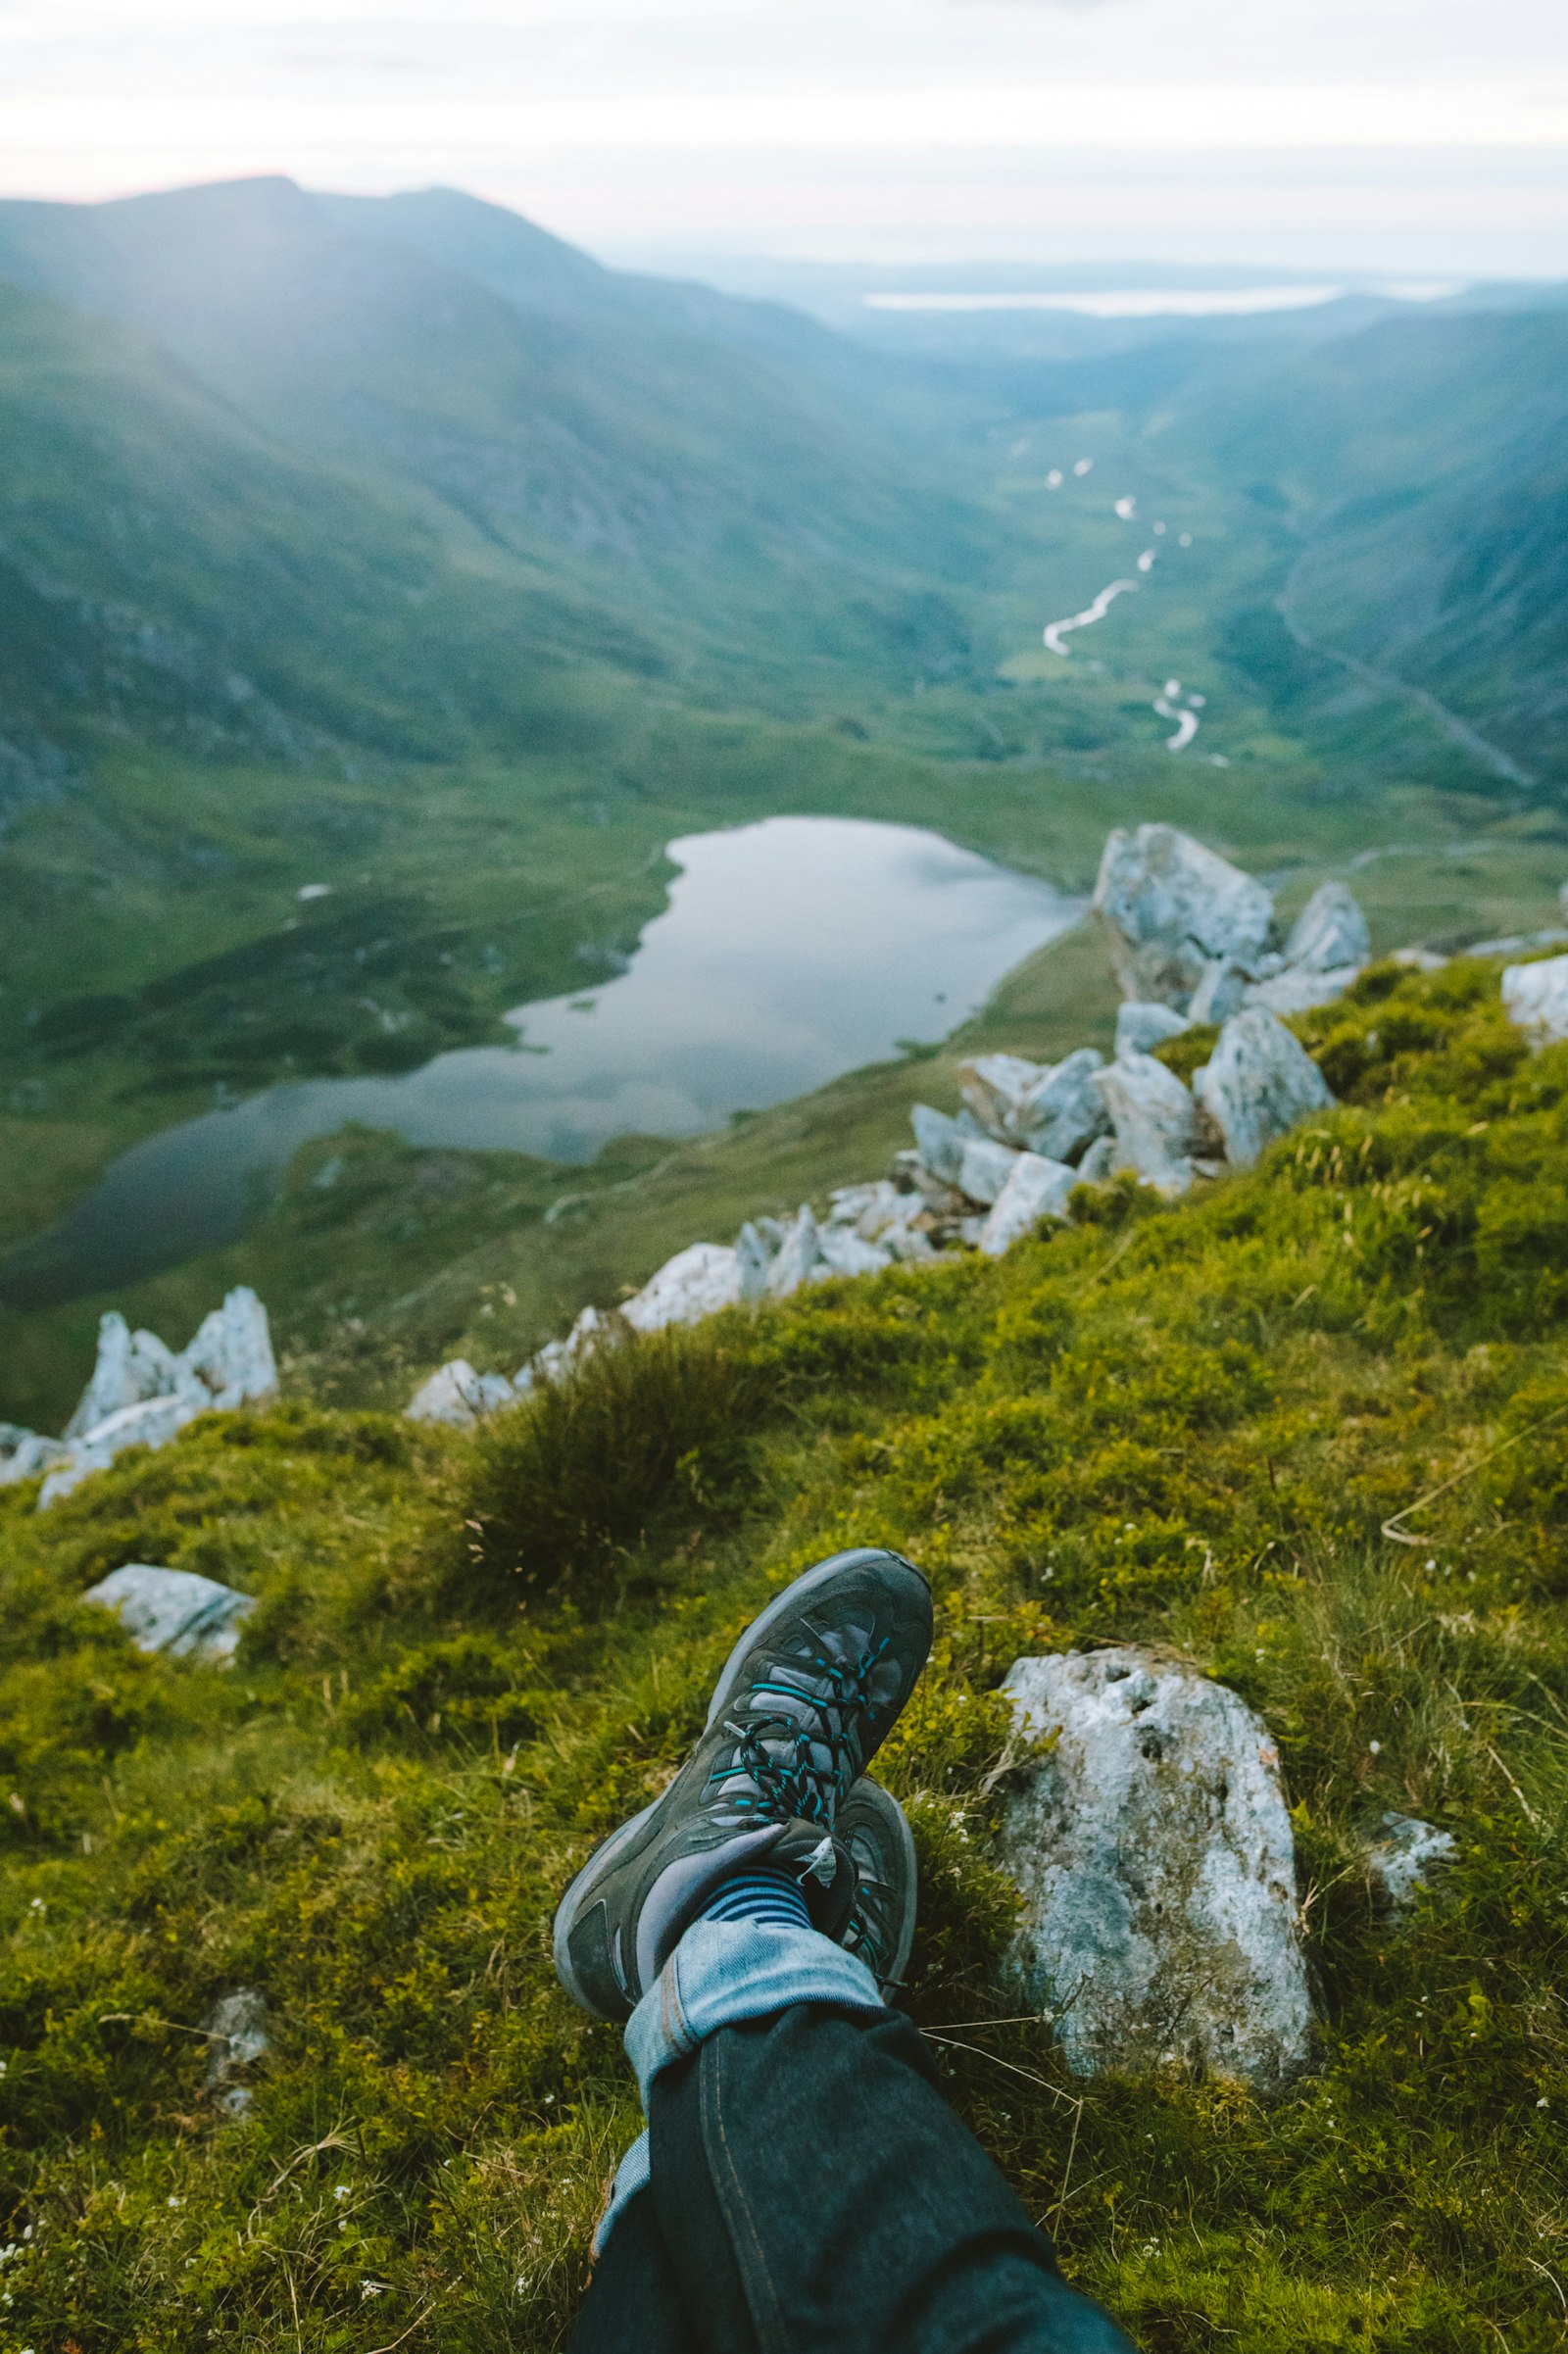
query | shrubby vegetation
(472,1657)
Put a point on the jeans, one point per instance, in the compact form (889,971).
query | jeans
(803,2187)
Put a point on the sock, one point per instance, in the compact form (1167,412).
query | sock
(759,1894)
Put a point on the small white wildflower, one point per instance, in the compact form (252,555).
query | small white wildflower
(1376,1747)
(37,1906)
(171,2202)
(341,2192)
(1541,2104)
(344,2225)
(372,2288)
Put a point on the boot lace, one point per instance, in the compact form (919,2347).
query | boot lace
(776,1751)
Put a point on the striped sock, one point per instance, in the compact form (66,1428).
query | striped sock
(760,1894)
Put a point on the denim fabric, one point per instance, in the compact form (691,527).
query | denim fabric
(725,1971)
(631,2175)
(811,2191)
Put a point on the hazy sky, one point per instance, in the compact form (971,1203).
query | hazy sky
(1385,134)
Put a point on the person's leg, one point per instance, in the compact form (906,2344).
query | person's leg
(634,2304)
(814,2191)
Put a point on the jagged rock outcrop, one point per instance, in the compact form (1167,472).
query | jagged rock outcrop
(696,1283)
(1171,910)
(173,1610)
(459,1396)
(1152,1846)
(1258,1083)
(142,1394)
(1537,998)
(1036,1189)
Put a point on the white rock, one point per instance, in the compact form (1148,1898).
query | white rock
(1170,907)
(153,1423)
(1218,994)
(131,1368)
(1153,1848)
(1259,1083)
(23,1453)
(939,1141)
(455,1394)
(1537,998)
(1400,1858)
(696,1282)
(754,1256)
(1330,931)
(1036,1189)
(1098,1162)
(985,1169)
(560,1358)
(236,2030)
(231,1356)
(1299,990)
(995,1086)
(1153,1115)
(842,1252)
(1419,959)
(873,1210)
(797,1256)
(173,1610)
(1065,1111)
(1141,1027)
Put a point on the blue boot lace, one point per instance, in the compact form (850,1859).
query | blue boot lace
(776,1752)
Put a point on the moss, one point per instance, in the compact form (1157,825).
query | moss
(1185,1425)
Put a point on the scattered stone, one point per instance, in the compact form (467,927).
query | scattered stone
(141,1394)
(1330,933)
(1064,1112)
(840,1251)
(1299,990)
(1537,998)
(174,1610)
(1260,1082)
(1399,1858)
(1098,1162)
(1153,1115)
(459,1396)
(994,1087)
(1141,1026)
(236,2030)
(939,1141)
(1153,1848)
(796,1255)
(985,1169)
(1219,993)
(23,1453)
(1418,959)
(696,1282)
(1170,907)
(1036,1189)
(754,1256)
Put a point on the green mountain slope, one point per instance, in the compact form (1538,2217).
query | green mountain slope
(470,1657)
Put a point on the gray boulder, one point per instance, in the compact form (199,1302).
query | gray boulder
(939,1141)
(696,1282)
(1170,908)
(840,1251)
(1401,1856)
(173,1610)
(1537,998)
(1220,992)
(23,1453)
(985,1167)
(1259,1083)
(1036,1189)
(995,1086)
(1153,1117)
(1330,932)
(754,1256)
(797,1257)
(1141,1027)
(1153,1848)
(131,1368)
(457,1396)
(231,1355)
(1299,989)
(1064,1111)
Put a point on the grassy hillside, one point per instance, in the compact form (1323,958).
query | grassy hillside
(472,1657)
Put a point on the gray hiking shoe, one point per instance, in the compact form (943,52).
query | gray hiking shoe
(875,1828)
(805,1701)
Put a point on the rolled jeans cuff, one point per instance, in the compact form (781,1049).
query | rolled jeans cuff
(725,1971)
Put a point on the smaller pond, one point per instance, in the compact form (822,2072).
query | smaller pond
(791,951)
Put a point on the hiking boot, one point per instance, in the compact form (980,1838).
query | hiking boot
(874,1828)
(805,1701)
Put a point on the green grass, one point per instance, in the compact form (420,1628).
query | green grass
(472,1657)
